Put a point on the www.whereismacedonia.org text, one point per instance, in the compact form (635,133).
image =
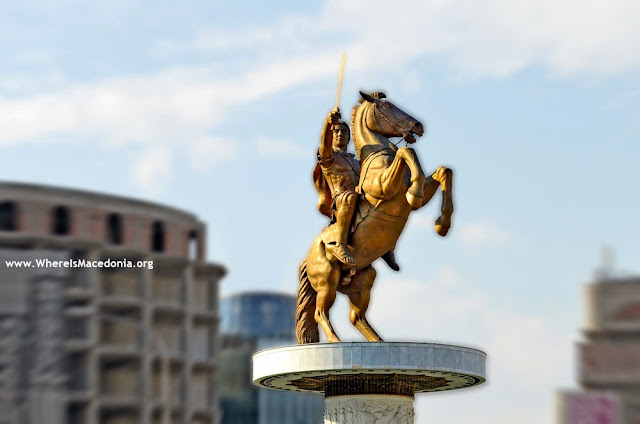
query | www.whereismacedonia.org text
(80,263)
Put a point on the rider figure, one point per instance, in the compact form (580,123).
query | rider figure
(336,177)
(340,172)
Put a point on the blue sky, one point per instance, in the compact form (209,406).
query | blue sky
(217,108)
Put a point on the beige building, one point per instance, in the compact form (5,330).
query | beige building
(114,320)
(609,359)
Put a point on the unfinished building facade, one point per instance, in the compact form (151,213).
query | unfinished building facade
(609,358)
(108,311)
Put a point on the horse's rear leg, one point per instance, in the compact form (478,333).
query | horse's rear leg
(359,292)
(324,302)
(325,279)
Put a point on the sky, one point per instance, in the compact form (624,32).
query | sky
(216,108)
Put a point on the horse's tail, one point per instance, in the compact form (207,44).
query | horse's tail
(306,326)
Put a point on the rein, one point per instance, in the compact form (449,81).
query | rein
(382,115)
(402,130)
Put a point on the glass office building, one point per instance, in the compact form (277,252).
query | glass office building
(259,315)
(251,322)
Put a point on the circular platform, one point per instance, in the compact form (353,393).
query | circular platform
(400,368)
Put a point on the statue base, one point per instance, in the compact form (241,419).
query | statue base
(369,382)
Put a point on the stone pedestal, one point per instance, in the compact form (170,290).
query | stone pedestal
(369,409)
(369,382)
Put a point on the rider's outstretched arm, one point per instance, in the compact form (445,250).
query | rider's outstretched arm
(326,138)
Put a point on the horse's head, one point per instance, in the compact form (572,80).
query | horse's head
(387,119)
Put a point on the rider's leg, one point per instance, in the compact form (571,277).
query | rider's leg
(345,208)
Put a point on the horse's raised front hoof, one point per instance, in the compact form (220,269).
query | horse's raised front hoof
(390,259)
(414,200)
(443,225)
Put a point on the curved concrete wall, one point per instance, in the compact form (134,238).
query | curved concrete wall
(88,214)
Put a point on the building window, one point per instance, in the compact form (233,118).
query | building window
(193,245)
(8,216)
(114,228)
(157,236)
(61,220)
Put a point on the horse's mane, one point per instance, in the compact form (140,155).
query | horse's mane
(354,111)
(357,142)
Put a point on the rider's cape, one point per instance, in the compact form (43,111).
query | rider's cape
(324,193)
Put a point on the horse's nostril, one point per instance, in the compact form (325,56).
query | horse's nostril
(418,128)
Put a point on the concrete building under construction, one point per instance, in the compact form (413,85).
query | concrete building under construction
(108,311)
(609,358)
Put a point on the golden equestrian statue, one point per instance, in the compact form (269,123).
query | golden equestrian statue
(368,201)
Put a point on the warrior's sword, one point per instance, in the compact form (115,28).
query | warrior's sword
(344,56)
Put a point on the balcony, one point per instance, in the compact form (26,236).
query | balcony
(606,363)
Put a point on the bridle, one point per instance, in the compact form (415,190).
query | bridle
(405,129)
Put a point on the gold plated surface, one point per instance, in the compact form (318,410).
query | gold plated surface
(368,198)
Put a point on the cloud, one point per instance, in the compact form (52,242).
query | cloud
(422,221)
(495,37)
(165,106)
(152,168)
(485,233)
(144,109)
(186,105)
(529,356)
(276,147)
(446,306)
(21,83)
(285,34)
(207,152)
(492,38)
(181,106)
(447,277)
(35,57)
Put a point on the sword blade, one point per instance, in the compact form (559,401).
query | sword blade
(344,57)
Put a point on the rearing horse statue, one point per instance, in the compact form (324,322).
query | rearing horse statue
(392,184)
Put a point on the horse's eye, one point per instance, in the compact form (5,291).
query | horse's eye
(386,105)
